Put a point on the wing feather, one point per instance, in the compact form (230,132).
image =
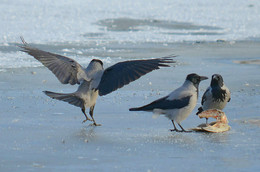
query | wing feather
(164,103)
(65,69)
(123,73)
(204,97)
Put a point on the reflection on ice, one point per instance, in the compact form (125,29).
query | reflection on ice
(87,133)
(216,137)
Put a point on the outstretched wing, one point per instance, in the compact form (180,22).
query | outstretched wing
(65,69)
(164,103)
(123,73)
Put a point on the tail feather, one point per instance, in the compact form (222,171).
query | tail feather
(143,108)
(134,109)
(71,98)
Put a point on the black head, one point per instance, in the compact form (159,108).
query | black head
(217,80)
(97,60)
(195,79)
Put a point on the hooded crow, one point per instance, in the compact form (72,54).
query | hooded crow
(93,80)
(216,96)
(178,105)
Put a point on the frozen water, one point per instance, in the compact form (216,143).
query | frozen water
(41,134)
(60,21)
(100,23)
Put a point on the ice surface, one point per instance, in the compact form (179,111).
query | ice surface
(41,134)
(93,26)
(48,21)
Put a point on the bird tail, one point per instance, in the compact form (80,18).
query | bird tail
(199,110)
(143,108)
(71,98)
(134,109)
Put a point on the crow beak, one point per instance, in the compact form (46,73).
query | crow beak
(203,78)
(215,77)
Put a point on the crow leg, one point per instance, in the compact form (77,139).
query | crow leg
(91,110)
(182,129)
(87,118)
(207,121)
(175,129)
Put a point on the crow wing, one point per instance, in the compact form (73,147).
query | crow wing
(123,73)
(65,69)
(164,103)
